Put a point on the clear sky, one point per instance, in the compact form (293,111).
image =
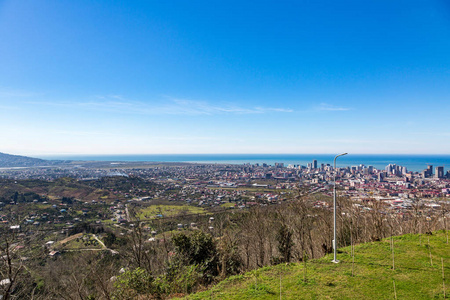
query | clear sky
(145,77)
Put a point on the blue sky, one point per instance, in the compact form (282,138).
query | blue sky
(143,77)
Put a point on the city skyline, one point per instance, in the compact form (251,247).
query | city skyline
(175,77)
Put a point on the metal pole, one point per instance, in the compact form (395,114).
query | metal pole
(334,210)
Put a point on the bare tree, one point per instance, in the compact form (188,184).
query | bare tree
(15,278)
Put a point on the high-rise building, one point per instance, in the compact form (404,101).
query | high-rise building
(381,176)
(314,164)
(439,172)
(404,170)
(429,171)
(390,169)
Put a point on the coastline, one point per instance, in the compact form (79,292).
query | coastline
(414,162)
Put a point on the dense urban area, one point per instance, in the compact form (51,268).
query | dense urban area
(105,230)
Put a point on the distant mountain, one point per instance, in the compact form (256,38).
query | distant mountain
(8,160)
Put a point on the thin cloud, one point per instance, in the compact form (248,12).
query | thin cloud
(329,107)
(118,104)
(11,93)
(118,97)
(444,134)
(202,107)
(81,133)
(186,138)
(8,107)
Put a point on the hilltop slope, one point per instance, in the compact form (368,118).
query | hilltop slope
(416,276)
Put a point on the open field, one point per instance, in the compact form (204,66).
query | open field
(80,241)
(152,212)
(246,188)
(70,238)
(419,263)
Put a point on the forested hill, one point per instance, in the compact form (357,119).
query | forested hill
(8,160)
(28,190)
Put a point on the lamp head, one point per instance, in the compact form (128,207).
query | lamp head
(341,155)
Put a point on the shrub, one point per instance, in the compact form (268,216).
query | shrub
(133,283)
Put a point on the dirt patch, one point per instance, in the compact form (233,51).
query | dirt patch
(70,238)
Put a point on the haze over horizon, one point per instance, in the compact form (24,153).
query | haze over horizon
(212,77)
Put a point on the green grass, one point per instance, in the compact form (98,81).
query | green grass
(151,212)
(42,206)
(246,188)
(86,241)
(414,276)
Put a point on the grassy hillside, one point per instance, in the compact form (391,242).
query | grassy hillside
(415,275)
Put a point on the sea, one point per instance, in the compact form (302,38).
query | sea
(415,163)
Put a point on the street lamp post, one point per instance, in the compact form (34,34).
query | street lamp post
(334,209)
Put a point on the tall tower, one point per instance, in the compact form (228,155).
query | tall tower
(439,172)
(390,168)
(314,166)
(429,171)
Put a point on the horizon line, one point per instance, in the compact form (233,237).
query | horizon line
(199,153)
